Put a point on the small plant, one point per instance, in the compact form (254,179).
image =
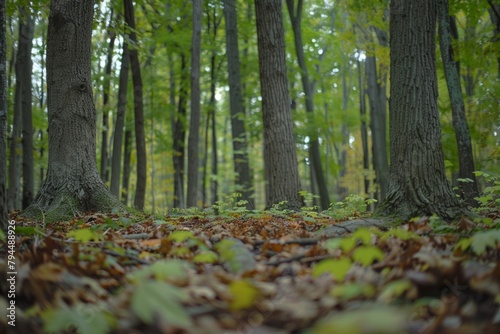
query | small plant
(309,201)
(490,197)
(351,206)
(231,204)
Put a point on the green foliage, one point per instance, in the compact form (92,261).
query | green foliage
(351,206)
(338,268)
(490,196)
(348,291)
(366,255)
(162,270)
(480,242)
(231,204)
(85,319)
(243,293)
(152,298)
(85,235)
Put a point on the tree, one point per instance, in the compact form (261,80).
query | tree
(120,121)
(140,141)
(418,184)
(3,117)
(296,19)
(240,147)
(462,134)
(280,156)
(194,123)
(73,183)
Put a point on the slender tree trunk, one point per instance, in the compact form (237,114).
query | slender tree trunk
(140,141)
(179,136)
(106,88)
(465,156)
(120,121)
(364,130)
(378,126)
(126,166)
(417,183)
(240,146)
(73,184)
(280,156)
(495,20)
(194,123)
(3,118)
(27,114)
(296,18)
(214,185)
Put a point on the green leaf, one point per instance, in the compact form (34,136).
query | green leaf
(363,235)
(333,244)
(27,231)
(395,289)
(338,268)
(234,255)
(244,294)
(353,290)
(162,270)
(482,240)
(160,299)
(84,235)
(463,244)
(206,257)
(126,221)
(399,233)
(180,236)
(366,255)
(86,318)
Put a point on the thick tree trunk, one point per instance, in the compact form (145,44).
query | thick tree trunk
(120,121)
(465,156)
(3,118)
(27,115)
(140,141)
(179,137)
(314,152)
(73,184)
(106,88)
(240,146)
(280,156)
(417,183)
(194,120)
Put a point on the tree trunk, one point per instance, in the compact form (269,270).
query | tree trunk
(280,156)
(179,137)
(72,185)
(240,146)
(194,122)
(364,130)
(314,152)
(140,141)
(214,185)
(106,88)
(27,114)
(120,121)
(377,125)
(495,20)
(126,166)
(417,183)
(465,156)
(3,118)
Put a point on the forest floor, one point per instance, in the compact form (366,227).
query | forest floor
(255,272)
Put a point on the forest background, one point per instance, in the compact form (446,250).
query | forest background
(338,72)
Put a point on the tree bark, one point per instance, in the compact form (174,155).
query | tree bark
(495,20)
(280,156)
(314,152)
(106,88)
(120,121)
(238,131)
(3,118)
(465,156)
(73,184)
(179,136)
(417,183)
(364,130)
(26,72)
(194,121)
(140,141)
(126,166)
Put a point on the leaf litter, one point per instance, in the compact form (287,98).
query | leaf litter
(255,273)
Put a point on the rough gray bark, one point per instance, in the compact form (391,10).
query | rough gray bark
(417,183)
(280,156)
(495,20)
(465,156)
(73,184)
(106,88)
(238,131)
(364,130)
(3,118)
(120,121)
(194,120)
(140,141)
(179,136)
(314,152)
(26,71)
(127,147)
